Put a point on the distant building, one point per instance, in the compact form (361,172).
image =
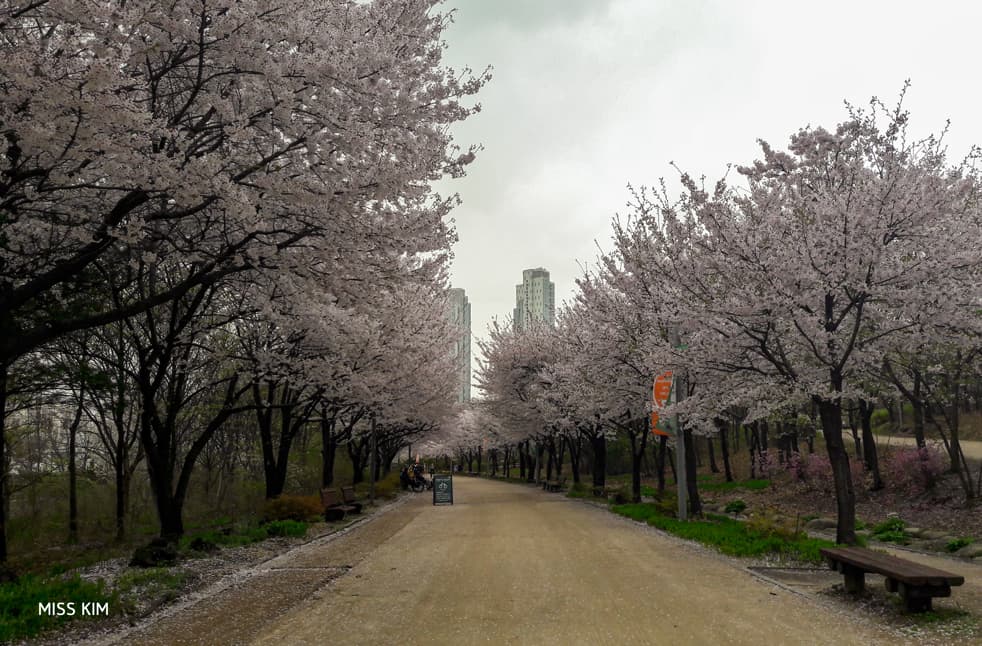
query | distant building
(460,313)
(535,299)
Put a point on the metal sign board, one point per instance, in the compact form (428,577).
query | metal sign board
(442,489)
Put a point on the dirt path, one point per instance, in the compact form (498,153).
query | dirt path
(971,448)
(512,564)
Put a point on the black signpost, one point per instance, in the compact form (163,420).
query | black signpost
(442,489)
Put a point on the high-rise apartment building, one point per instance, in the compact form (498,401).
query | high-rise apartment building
(460,313)
(535,298)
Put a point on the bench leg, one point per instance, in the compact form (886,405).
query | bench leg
(913,604)
(919,598)
(855,579)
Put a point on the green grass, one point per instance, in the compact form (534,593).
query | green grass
(142,583)
(727,535)
(20,615)
(248,535)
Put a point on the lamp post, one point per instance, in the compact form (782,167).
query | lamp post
(678,393)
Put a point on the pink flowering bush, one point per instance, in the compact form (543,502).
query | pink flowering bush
(815,471)
(767,464)
(913,471)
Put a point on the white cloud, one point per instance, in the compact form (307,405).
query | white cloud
(588,96)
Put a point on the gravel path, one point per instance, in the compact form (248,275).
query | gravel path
(512,564)
(971,448)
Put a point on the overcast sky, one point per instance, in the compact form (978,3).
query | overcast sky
(590,95)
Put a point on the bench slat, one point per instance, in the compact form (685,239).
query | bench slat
(893,567)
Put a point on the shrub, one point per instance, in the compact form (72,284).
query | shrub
(891,531)
(957,544)
(285,528)
(889,525)
(768,523)
(735,507)
(913,471)
(296,508)
(879,417)
(815,471)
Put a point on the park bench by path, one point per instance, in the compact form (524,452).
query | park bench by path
(554,485)
(348,494)
(334,506)
(917,584)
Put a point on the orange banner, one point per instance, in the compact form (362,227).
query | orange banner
(661,391)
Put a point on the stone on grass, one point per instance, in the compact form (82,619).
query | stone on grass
(932,534)
(972,550)
(915,532)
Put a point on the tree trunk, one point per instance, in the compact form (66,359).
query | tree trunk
(329,451)
(598,443)
(73,469)
(3,463)
(870,460)
(358,455)
(122,491)
(575,450)
(638,445)
(713,468)
(660,450)
(550,457)
(695,505)
(853,426)
(917,402)
(845,496)
(560,456)
(724,447)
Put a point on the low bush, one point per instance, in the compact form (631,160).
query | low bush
(913,471)
(957,544)
(814,471)
(879,417)
(285,528)
(296,508)
(891,531)
(20,600)
(735,507)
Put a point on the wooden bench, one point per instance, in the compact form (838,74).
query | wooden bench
(348,494)
(917,584)
(334,507)
(555,485)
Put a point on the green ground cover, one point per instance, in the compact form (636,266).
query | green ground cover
(727,535)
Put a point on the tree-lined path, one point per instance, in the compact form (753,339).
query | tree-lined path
(511,564)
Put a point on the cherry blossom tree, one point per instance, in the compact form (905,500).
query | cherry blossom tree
(273,137)
(837,248)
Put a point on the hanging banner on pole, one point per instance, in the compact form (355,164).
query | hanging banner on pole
(661,395)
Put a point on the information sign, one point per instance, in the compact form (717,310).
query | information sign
(442,489)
